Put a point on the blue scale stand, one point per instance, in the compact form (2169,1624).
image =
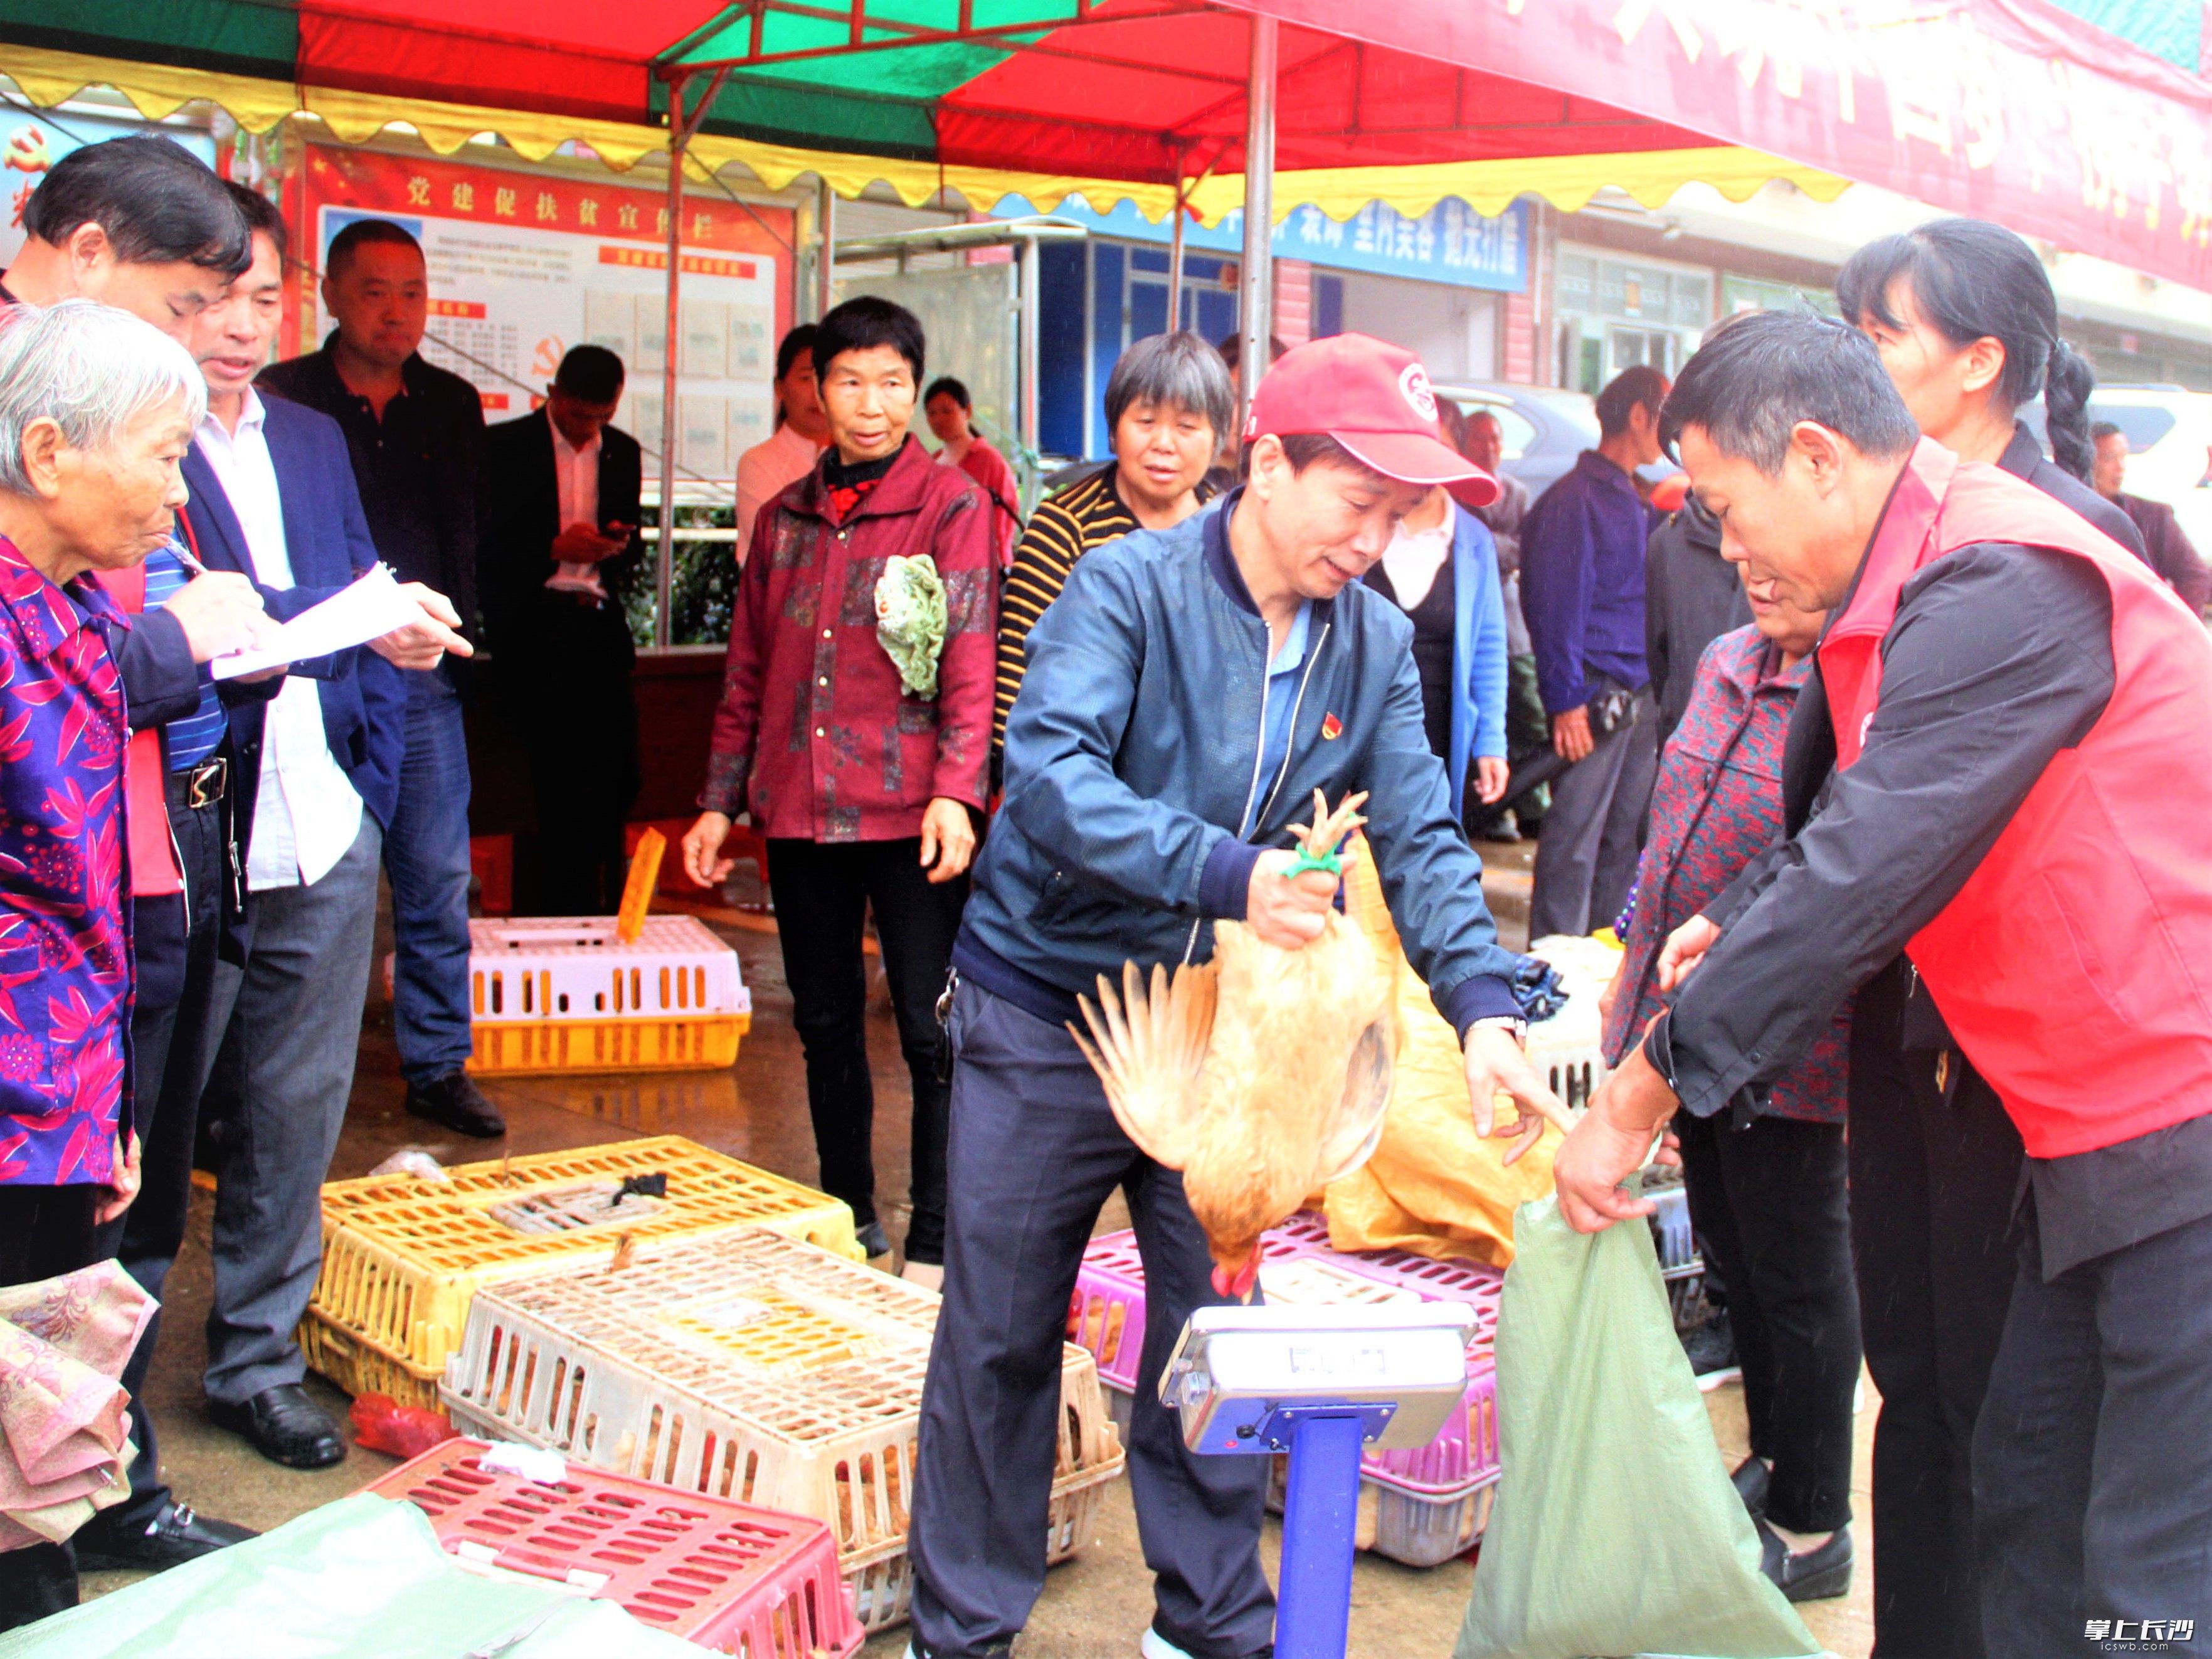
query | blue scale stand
(1324,1385)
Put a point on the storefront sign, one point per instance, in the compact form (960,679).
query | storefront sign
(525,265)
(1451,243)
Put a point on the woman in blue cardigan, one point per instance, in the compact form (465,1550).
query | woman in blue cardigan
(1442,571)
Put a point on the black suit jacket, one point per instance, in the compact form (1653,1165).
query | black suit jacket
(531,629)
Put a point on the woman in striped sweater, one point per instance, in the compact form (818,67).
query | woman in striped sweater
(1168,403)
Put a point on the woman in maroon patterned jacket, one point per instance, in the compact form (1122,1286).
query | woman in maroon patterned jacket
(863,785)
(1766,1179)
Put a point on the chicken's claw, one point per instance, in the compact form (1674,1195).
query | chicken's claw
(1319,838)
(1527,1127)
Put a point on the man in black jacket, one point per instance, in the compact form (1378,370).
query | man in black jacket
(2166,546)
(1692,596)
(560,550)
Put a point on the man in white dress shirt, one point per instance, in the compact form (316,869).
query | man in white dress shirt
(558,555)
(273,496)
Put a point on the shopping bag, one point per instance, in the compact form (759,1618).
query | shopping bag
(1616,1530)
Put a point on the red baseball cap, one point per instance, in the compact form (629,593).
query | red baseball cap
(1375,399)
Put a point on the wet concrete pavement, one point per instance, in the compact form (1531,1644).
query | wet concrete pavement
(1094,1608)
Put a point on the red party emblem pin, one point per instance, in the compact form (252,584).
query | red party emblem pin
(1331,727)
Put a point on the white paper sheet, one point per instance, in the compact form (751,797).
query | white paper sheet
(371,608)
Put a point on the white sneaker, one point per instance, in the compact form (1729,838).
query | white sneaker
(1156,1646)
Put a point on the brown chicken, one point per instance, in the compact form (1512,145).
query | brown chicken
(1261,1075)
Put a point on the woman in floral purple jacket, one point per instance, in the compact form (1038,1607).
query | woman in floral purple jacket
(96,410)
(1766,1179)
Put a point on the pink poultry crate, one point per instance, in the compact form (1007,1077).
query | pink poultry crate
(1106,1315)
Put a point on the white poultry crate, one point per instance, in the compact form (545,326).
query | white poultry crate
(1568,1049)
(745,1365)
(567,993)
(535,968)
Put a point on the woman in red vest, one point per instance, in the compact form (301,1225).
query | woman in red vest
(1991,773)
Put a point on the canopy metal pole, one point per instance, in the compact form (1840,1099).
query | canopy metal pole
(1031,265)
(681,127)
(825,214)
(679,133)
(1256,322)
(1175,255)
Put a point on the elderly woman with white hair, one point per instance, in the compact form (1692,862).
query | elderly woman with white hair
(96,412)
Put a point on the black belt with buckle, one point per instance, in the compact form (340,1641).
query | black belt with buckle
(206,783)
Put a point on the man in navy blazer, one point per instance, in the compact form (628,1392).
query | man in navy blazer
(273,498)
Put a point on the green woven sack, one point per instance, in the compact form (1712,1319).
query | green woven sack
(1616,1530)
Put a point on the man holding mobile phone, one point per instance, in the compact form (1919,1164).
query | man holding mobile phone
(559,550)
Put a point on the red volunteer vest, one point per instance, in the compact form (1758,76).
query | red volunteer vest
(2075,967)
(154,869)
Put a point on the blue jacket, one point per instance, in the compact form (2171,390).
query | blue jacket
(1133,757)
(1582,581)
(1477,709)
(364,697)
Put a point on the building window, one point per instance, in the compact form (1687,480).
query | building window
(1616,313)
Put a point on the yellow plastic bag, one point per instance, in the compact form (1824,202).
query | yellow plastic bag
(1433,1187)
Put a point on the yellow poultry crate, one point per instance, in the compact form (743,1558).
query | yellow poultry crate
(402,1257)
(684,1043)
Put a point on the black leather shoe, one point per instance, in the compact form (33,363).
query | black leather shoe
(1751,1478)
(175,1535)
(1813,1576)
(284,1426)
(455,1101)
(873,1240)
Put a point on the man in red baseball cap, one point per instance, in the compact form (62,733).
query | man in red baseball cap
(1341,442)
(1186,695)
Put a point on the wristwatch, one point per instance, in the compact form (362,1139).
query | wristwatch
(1513,1024)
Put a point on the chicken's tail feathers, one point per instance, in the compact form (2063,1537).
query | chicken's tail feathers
(1148,1047)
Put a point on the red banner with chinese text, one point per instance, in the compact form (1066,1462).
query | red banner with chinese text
(524,265)
(2009,110)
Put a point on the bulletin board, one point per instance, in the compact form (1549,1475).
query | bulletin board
(524,265)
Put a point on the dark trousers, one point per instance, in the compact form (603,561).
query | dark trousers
(1593,832)
(1769,1203)
(43,1231)
(426,855)
(172,1049)
(580,726)
(822,893)
(1035,1153)
(1935,1172)
(289,1024)
(2093,1459)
